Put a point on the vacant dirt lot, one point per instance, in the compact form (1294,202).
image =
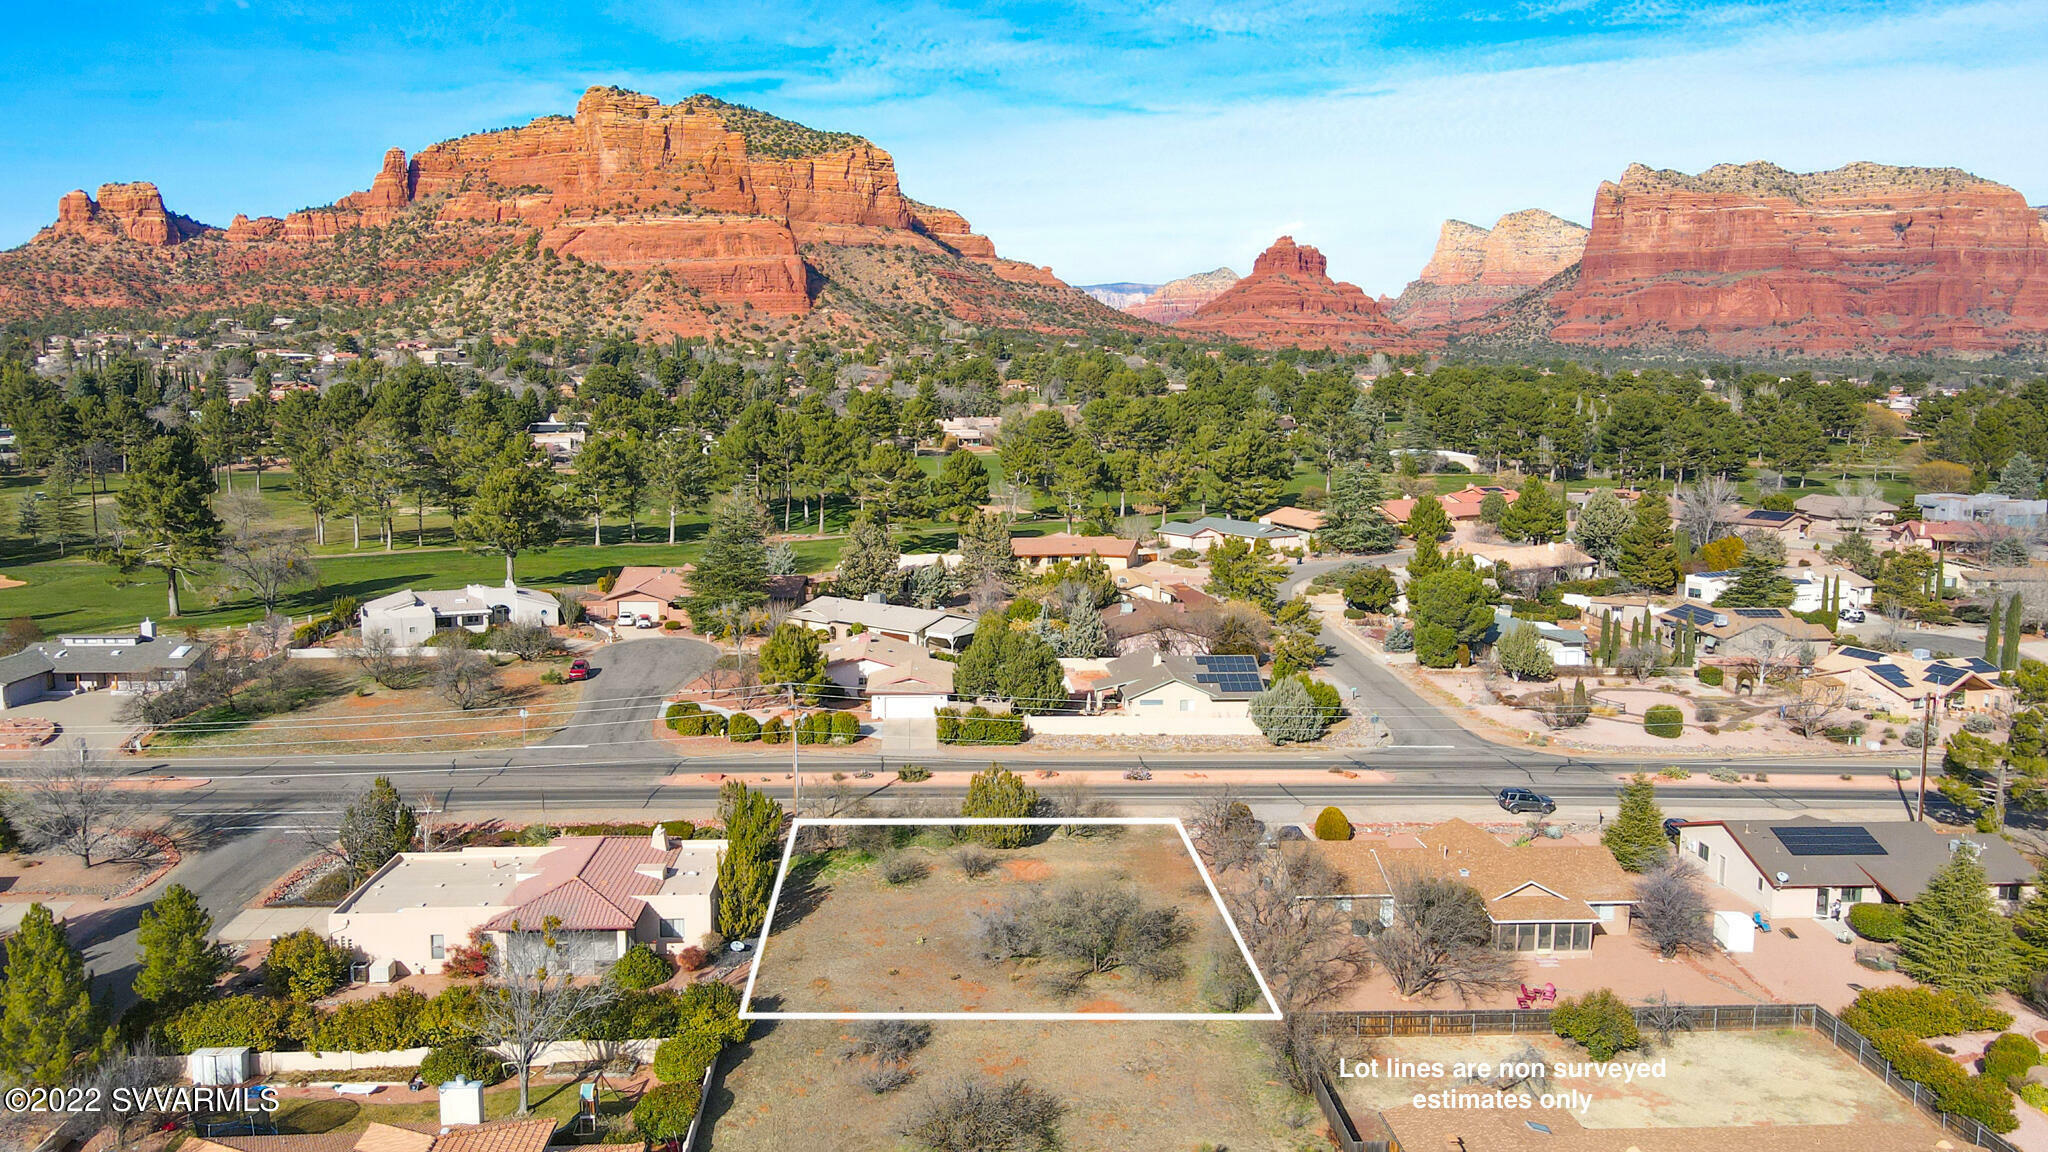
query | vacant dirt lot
(1125,1086)
(1789,1082)
(845,940)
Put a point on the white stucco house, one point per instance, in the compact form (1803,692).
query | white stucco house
(897,678)
(410,617)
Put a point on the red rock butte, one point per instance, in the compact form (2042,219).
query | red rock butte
(716,198)
(1753,259)
(1475,270)
(1289,300)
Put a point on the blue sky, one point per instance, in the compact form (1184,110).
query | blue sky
(1111,140)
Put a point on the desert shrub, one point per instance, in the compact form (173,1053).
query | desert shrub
(845,728)
(1978,1097)
(902,868)
(692,958)
(2010,1055)
(379,1024)
(683,1059)
(913,773)
(2036,1095)
(1710,675)
(1332,824)
(889,1040)
(665,1111)
(1705,713)
(975,861)
(306,965)
(881,1078)
(774,731)
(742,728)
(465,1060)
(641,967)
(1664,720)
(1879,922)
(977,1114)
(1921,1012)
(258,1022)
(1600,1021)
(1913,737)
(1978,723)
(1097,928)
(330,887)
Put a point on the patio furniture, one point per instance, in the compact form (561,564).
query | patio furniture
(1762,924)
(1545,995)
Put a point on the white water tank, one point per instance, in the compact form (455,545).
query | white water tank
(1735,931)
(462,1102)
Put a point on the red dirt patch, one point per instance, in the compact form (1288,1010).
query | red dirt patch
(1029,871)
(1102,1005)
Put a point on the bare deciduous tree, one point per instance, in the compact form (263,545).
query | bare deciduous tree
(525,639)
(68,799)
(378,656)
(122,1084)
(1441,938)
(1819,700)
(267,565)
(1860,500)
(530,1000)
(1666,1016)
(1305,946)
(1703,507)
(1224,830)
(464,678)
(1672,909)
(979,1114)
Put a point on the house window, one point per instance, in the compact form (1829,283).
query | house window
(1150,703)
(2008,891)
(1702,846)
(674,929)
(437,947)
(1606,912)
(1187,705)
(1852,895)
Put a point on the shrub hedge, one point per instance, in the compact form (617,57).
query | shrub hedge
(1600,1021)
(1980,1098)
(665,1111)
(690,719)
(2010,1055)
(979,726)
(465,1060)
(1710,675)
(641,967)
(742,728)
(1879,922)
(1664,720)
(1921,1012)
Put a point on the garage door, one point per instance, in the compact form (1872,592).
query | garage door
(903,707)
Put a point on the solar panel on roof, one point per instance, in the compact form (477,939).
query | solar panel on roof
(1832,840)
(1979,664)
(1227,663)
(1891,674)
(1862,654)
(1769,517)
(1938,674)
(1758,613)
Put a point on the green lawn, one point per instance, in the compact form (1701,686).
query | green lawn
(555,1100)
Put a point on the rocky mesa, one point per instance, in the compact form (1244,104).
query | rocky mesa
(1176,300)
(1475,270)
(1754,260)
(696,215)
(1289,300)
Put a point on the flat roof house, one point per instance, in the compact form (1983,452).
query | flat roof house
(1983,508)
(603,894)
(1541,897)
(1206,533)
(410,617)
(1041,552)
(1811,868)
(931,627)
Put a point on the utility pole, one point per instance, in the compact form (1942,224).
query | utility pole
(1926,719)
(796,793)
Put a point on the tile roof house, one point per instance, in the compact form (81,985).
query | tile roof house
(410,617)
(840,616)
(1041,552)
(1462,505)
(602,894)
(527,1135)
(1541,897)
(642,590)
(1302,519)
(897,678)
(1812,868)
(1204,534)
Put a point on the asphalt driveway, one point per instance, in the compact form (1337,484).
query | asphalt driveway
(624,694)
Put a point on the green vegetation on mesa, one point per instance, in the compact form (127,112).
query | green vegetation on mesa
(769,135)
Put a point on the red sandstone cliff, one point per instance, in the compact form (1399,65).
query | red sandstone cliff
(701,206)
(1753,259)
(1475,270)
(1290,300)
(1176,300)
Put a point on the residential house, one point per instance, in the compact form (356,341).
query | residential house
(896,677)
(1742,631)
(1567,647)
(1809,868)
(410,617)
(841,617)
(1892,682)
(1204,534)
(560,439)
(121,662)
(1037,553)
(1181,691)
(1535,563)
(971,431)
(1982,508)
(642,590)
(2030,581)
(1809,587)
(1790,527)
(1541,897)
(1945,536)
(532,1134)
(1848,512)
(1461,506)
(600,895)
(1299,519)
(1175,623)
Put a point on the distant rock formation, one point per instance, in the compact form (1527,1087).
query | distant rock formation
(1753,260)
(1475,270)
(1289,300)
(1176,300)
(1120,295)
(122,212)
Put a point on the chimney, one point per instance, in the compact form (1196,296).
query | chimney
(658,839)
(146,629)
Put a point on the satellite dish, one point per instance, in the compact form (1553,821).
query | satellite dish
(1782,877)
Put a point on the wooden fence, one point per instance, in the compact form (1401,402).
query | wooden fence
(1694,1017)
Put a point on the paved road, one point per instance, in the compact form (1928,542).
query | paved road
(622,698)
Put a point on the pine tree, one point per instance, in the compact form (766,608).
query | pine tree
(734,567)
(1428,520)
(1602,522)
(179,963)
(870,562)
(752,822)
(167,511)
(1636,834)
(1428,558)
(1954,938)
(1758,584)
(49,1025)
(999,793)
(1534,515)
(1352,520)
(1648,559)
(2009,657)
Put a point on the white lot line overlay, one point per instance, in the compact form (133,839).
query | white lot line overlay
(747,1011)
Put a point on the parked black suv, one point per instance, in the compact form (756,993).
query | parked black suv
(1520,800)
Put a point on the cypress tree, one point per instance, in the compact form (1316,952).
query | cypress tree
(2009,660)
(1993,651)
(1636,835)
(48,1023)
(1953,937)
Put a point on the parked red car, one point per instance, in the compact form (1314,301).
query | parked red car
(579,669)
